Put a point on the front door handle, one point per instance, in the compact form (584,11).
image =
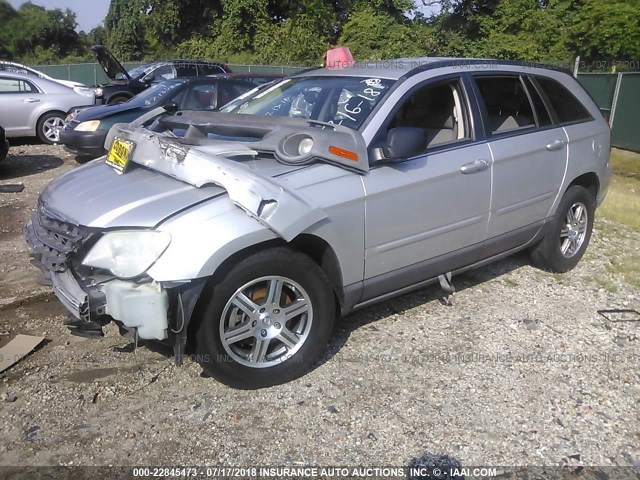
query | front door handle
(556,145)
(475,166)
(32,100)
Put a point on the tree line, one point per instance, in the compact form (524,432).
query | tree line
(603,33)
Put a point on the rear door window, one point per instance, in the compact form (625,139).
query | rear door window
(566,106)
(12,85)
(506,102)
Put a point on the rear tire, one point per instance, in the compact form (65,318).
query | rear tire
(268,321)
(568,233)
(49,126)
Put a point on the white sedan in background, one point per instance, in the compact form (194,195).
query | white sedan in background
(32,106)
(13,67)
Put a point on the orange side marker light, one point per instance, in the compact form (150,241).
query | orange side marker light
(341,152)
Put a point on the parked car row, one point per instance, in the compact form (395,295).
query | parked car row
(33,104)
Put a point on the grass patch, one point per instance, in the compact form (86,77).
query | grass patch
(606,284)
(625,164)
(622,204)
(629,269)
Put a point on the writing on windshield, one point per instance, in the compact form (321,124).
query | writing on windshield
(156,93)
(346,101)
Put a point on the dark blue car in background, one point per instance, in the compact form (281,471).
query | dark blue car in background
(86,129)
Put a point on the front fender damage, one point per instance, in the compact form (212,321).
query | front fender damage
(279,209)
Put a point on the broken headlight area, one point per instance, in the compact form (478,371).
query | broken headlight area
(127,253)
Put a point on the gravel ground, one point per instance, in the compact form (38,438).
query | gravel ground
(521,370)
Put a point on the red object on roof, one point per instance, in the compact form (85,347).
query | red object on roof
(339,57)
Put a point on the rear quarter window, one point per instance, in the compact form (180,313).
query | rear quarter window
(566,106)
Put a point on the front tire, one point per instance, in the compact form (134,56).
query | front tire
(118,99)
(49,126)
(268,321)
(568,234)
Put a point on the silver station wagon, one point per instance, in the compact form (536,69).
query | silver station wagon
(244,234)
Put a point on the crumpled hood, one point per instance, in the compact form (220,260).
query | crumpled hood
(94,195)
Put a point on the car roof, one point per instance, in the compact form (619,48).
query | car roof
(240,76)
(187,62)
(15,64)
(39,81)
(22,76)
(398,68)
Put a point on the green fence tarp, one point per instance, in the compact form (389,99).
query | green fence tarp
(625,128)
(625,117)
(601,87)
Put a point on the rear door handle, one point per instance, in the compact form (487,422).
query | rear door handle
(32,100)
(556,145)
(475,166)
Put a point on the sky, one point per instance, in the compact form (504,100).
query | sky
(89,13)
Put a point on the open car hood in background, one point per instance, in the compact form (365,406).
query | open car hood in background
(108,62)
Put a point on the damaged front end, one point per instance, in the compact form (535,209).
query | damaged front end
(93,297)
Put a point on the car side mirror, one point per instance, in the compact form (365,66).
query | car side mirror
(404,142)
(147,78)
(171,107)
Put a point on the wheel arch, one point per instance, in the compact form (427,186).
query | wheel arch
(47,112)
(588,180)
(315,247)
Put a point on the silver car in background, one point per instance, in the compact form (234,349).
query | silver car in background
(247,232)
(32,106)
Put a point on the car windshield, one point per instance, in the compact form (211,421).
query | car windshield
(346,101)
(142,70)
(156,94)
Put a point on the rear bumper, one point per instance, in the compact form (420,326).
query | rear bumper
(84,143)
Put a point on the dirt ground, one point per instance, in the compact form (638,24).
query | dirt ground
(521,370)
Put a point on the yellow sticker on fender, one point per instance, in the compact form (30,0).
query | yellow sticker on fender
(119,154)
